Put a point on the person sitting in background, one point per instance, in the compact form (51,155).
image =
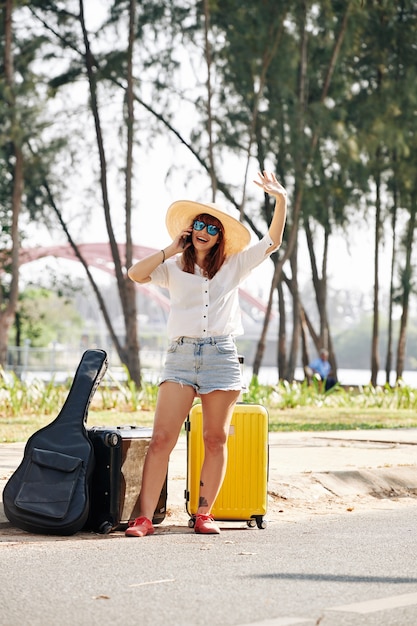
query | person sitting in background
(321,369)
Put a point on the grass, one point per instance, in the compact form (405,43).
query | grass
(15,429)
(291,406)
(307,419)
(18,429)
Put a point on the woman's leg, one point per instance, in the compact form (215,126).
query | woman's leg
(217,409)
(173,404)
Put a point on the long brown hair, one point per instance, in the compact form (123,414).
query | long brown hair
(215,257)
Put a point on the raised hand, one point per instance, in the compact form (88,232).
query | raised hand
(269,184)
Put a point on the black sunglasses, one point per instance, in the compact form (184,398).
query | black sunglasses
(211,229)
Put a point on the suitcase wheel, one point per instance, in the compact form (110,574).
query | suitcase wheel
(191,522)
(105,528)
(258,521)
(112,440)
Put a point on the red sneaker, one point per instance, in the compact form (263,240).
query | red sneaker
(205,525)
(141,527)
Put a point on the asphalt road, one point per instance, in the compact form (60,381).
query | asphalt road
(335,570)
(339,549)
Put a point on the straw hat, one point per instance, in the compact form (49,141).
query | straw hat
(181,214)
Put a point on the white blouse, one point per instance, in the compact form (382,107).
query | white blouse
(203,307)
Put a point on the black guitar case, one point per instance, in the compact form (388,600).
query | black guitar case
(49,492)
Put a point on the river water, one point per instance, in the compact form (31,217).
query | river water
(152,364)
(268,376)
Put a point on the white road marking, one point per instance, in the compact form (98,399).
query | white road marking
(282,621)
(153,582)
(380,604)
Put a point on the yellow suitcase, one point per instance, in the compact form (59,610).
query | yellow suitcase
(244,493)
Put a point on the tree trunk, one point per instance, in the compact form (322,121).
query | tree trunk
(303,321)
(128,351)
(282,333)
(323,338)
(407,287)
(295,336)
(132,347)
(304,347)
(375,325)
(8,309)
(388,362)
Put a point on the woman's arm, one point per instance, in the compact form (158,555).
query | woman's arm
(270,185)
(141,271)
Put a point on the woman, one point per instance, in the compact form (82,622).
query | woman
(202,269)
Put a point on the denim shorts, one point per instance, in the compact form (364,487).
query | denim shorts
(207,364)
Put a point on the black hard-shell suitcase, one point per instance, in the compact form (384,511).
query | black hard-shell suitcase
(119,457)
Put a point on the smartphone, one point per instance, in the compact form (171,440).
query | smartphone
(187,239)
